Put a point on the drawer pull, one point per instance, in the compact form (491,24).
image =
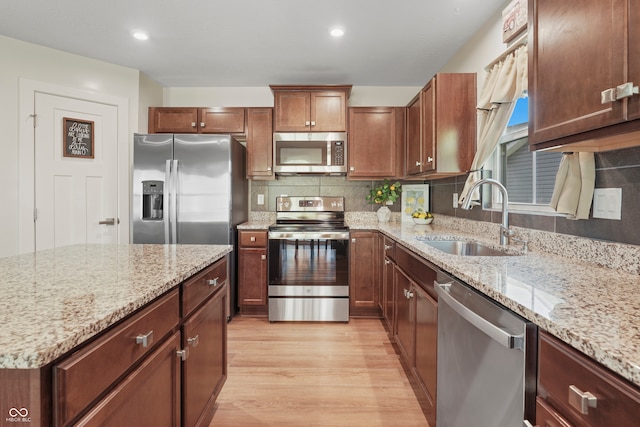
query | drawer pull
(387,247)
(253,238)
(212,282)
(582,400)
(145,339)
(193,342)
(183,354)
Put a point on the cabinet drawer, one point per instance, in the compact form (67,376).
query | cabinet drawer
(83,376)
(546,416)
(563,373)
(203,284)
(253,239)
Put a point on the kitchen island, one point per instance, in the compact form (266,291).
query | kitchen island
(59,302)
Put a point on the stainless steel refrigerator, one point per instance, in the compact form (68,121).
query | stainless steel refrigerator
(189,189)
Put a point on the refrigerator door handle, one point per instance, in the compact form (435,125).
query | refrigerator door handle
(166,192)
(174,202)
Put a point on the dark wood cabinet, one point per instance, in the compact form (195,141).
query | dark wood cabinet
(364,274)
(376,142)
(426,344)
(260,143)
(252,272)
(405,331)
(577,389)
(388,283)
(574,68)
(148,396)
(310,108)
(197,120)
(441,126)
(205,367)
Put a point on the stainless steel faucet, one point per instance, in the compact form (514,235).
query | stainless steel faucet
(505,233)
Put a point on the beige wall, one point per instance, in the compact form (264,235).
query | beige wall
(22,60)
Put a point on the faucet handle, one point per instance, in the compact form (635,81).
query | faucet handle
(525,243)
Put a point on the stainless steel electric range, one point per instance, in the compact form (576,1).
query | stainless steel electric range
(309,260)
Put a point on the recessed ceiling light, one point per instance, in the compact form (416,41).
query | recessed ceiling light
(336,32)
(140,35)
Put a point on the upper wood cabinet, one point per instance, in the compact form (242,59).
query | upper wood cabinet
(197,120)
(376,142)
(576,72)
(310,108)
(441,126)
(260,143)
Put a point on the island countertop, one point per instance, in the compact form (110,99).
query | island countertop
(55,299)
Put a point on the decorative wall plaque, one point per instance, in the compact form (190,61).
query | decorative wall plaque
(77,138)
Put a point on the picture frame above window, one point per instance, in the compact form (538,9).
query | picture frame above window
(514,20)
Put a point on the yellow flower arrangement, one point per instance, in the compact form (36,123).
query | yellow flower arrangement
(386,192)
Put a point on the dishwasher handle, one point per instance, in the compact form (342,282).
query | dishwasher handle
(495,332)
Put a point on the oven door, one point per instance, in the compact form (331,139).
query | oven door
(309,276)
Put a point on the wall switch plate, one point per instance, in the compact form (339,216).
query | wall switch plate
(455,200)
(261,199)
(607,203)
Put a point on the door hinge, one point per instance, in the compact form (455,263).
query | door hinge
(35,214)
(34,119)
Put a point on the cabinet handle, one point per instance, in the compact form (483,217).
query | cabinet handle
(193,124)
(313,123)
(387,262)
(352,168)
(582,400)
(202,124)
(263,256)
(626,90)
(183,354)
(145,339)
(212,282)
(429,159)
(409,294)
(387,247)
(269,168)
(353,240)
(418,163)
(307,123)
(193,342)
(253,238)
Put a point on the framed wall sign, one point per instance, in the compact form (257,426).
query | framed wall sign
(414,196)
(77,138)
(514,20)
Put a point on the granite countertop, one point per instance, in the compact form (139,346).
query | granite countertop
(55,299)
(592,308)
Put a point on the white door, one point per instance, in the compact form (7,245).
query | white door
(75,197)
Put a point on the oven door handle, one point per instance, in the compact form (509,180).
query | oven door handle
(322,235)
(494,331)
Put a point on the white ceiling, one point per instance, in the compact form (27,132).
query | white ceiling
(257,42)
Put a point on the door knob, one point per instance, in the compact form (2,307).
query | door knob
(109,221)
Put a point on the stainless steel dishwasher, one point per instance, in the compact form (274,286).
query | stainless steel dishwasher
(486,360)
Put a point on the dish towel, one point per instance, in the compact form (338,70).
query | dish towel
(575,182)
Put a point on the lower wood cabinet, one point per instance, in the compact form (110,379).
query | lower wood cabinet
(364,274)
(252,272)
(148,396)
(575,389)
(162,366)
(205,367)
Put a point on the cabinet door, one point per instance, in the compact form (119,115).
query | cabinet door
(546,416)
(328,111)
(173,120)
(364,273)
(292,111)
(252,276)
(427,158)
(633,59)
(260,143)
(388,294)
(405,331)
(426,345)
(571,63)
(148,396)
(205,369)
(373,147)
(221,120)
(414,136)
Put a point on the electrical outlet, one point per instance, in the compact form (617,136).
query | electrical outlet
(607,203)
(260,199)
(455,200)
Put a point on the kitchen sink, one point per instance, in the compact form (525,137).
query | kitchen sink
(465,248)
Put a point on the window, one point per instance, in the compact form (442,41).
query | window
(528,176)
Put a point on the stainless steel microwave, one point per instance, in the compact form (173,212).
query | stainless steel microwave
(310,152)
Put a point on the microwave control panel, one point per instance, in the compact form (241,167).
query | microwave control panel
(337,153)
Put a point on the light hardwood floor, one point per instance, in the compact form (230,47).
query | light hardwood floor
(314,374)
